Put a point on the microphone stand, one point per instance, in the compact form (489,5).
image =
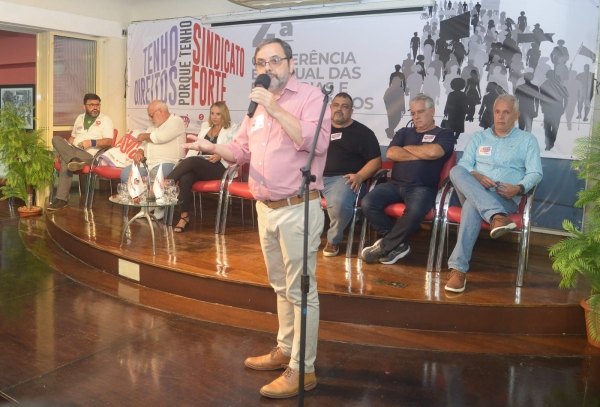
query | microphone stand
(304,279)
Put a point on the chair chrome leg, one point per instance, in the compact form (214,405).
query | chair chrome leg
(194,200)
(243,221)
(90,194)
(523,255)
(351,236)
(443,239)
(363,231)
(432,243)
(224,213)
(200,202)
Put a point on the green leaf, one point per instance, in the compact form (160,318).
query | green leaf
(23,152)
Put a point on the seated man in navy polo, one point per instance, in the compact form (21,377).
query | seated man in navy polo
(419,154)
(353,156)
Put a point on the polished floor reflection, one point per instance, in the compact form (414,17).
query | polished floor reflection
(62,341)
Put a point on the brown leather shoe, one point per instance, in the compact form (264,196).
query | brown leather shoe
(288,383)
(273,361)
(501,225)
(457,281)
(331,250)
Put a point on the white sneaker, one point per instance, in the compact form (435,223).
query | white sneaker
(159,213)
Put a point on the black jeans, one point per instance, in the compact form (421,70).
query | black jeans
(190,170)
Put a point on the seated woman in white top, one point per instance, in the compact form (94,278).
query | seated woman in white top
(194,167)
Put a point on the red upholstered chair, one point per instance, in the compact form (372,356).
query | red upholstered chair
(350,243)
(451,216)
(84,171)
(213,187)
(103,171)
(235,188)
(397,210)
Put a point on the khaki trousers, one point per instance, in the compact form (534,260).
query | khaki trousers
(67,153)
(281,233)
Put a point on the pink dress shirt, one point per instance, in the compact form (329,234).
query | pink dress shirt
(275,160)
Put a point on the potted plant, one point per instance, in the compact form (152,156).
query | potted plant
(579,254)
(28,161)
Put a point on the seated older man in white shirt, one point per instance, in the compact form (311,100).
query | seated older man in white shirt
(161,143)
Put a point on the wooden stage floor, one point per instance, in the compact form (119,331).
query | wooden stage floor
(125,343)
(392,305)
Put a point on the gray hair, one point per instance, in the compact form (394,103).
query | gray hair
(508,98)
(287,50)
(429,103)
(159,104)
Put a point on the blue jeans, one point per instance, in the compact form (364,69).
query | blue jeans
(166,167)
(418,201)
(340,206)
(478,204)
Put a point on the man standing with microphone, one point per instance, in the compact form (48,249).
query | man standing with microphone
(276,141)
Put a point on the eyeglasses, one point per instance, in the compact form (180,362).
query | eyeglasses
(93,104)
(272,62)
(152,114)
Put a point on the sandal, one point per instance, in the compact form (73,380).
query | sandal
(181,229)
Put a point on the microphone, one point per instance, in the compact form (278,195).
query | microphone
(261,80)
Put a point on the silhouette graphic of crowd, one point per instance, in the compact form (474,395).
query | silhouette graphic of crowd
(472,55)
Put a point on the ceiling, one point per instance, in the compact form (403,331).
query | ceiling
(267,4)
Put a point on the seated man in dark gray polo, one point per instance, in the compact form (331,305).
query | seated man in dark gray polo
(353,156)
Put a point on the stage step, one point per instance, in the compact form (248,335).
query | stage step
(37,240)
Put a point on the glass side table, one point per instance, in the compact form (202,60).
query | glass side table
(144,212)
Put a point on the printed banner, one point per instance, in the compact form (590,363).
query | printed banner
(187,66)
(543,51)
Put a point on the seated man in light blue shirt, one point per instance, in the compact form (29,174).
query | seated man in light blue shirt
(499,165)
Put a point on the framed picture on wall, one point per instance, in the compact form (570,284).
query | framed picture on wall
(20,95)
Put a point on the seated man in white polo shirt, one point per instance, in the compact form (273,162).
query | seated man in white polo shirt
(92,130)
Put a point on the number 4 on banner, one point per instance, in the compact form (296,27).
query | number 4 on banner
(287,30)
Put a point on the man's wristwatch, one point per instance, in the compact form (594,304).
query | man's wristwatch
(521,189)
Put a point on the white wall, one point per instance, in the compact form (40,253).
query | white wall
(17,16)
(112,55)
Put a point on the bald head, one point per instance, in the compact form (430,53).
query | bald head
(158,112)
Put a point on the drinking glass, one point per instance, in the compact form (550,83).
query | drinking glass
(175,193)
(167,194)
(122,192)
(171,189)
